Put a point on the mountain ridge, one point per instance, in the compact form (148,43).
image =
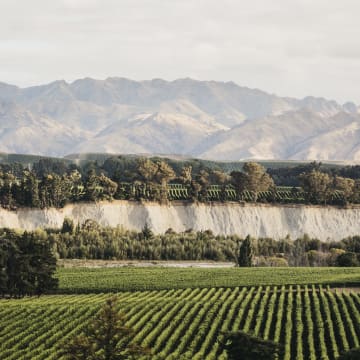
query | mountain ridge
(205,119)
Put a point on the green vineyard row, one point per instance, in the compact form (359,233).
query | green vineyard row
(282,194)
(91,280)
(311,322)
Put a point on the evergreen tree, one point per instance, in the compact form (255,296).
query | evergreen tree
(27,265)
(109,187)
(106,338)
(202,179)
(67,226)
(245,253)
(92,186)
(348,259)
(43,265)
(147,232)
(27,193)
(240,345)
(352,354)
(7,186)
(16,266)
(3,265)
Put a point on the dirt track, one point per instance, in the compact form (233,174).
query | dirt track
(137,263)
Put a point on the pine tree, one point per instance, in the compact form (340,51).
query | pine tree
(244,346)
(147,232)
(3,265)
(245,253)
(352,354)
(106,338)
(67,226)
(92,186)
(27,265)
(28,194)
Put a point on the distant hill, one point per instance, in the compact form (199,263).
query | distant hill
(176,162)
(204,119)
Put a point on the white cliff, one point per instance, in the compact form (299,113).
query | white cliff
(258,220)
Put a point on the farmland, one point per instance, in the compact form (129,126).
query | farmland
(187,323)
(85,280)
(181,313)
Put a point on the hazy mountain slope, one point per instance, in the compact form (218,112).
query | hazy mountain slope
(155,133)
(225,102)
(293,135)
(198,118)
(342,142)
(22,131)
(8,92)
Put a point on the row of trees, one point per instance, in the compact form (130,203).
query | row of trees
(319,187)
(303,252)
(149,180)
(91,241)
(27,264)
(53,190)
(289,175)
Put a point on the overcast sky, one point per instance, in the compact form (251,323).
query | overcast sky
(288,47)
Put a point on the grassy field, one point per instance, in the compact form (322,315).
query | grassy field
(84,280)
(311,323)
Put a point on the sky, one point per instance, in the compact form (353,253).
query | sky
(287,47)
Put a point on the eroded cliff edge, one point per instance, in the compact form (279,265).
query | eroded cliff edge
(276,221)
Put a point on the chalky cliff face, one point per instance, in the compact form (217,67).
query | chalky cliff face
(324,223)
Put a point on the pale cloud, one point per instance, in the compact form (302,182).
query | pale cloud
(293,48)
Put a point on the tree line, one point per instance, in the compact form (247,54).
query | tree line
(54,184)
(92,241)
(288,175)
(28,258)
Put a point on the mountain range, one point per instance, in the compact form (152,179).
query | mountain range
(204,119)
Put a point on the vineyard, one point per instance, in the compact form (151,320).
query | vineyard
(281,194)
(180,192)
(87,280)
(311,322)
